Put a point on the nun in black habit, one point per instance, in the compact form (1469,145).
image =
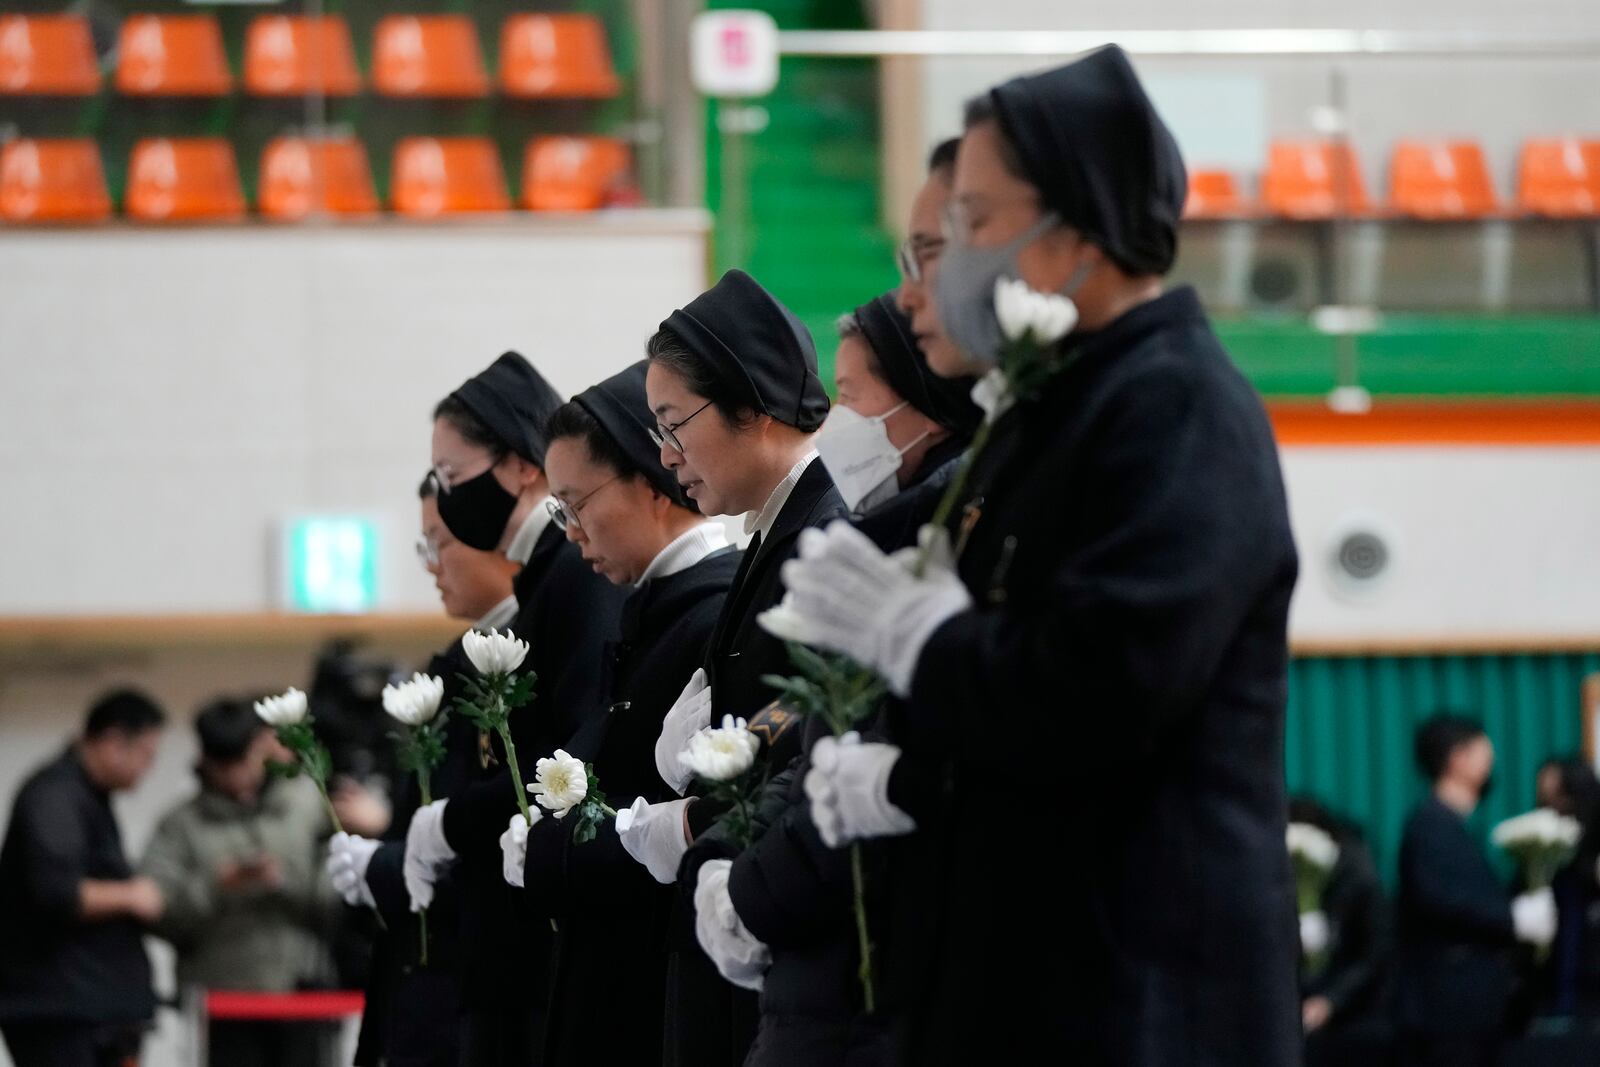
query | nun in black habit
(733,387)
(488,452)
(632,523)
(1099,678)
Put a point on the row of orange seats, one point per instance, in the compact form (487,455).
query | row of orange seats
(196,179)
(430,56)
(1556,177)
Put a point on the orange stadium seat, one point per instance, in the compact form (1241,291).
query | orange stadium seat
(1441,180)
(289,55)
(1313,180)
(552,56)
(1213,194)
(428,56)
(47,55)
(301,176)
(183,180)
(1560,177)
(447,176)
(52,181)
(574,173)
(172,55)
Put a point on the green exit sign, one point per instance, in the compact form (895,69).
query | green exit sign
(331,564)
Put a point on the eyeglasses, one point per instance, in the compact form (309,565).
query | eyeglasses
(567,514)
(915,254)
(957,222)
(664,435)
(428,551)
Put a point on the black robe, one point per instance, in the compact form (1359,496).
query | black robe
(610,949)
(1114,704)
(1456,931)
(567,614)
(708,1020)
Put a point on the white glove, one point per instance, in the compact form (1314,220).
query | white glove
(855,599)
(1534,916)
(1314,934)
(848,786)
(346,865)
(514,847)
(689,715)
(427,852)
(739,957)
(653,835)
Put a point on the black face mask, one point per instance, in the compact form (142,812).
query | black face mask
(1485,789)
(476,511)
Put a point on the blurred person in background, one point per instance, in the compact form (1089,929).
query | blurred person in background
(1344,1001)
(1569,981)
(1457,926)
(74,979)
(239,865)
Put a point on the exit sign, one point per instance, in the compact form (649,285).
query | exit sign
(330,564)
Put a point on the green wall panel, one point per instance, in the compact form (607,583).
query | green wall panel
(1351,720)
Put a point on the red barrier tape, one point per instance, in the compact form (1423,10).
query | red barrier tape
(332,1004)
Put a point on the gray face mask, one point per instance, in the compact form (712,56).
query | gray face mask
(964,289)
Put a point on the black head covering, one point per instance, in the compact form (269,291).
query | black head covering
(757,346)
(514,401)
(1091,141)
(618,404)
(947,401)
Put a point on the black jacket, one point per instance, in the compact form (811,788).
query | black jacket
(1113,702)
(709,1021)
(612,915)
(1456,931)
(54,967)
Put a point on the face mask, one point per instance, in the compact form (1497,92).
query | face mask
(964,290)
(476,511)
(858,454)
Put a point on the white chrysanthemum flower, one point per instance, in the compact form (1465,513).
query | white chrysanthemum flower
(494,652)
(721,754)
(1543,826)
(1023,311)
(1313,844)
(560,783)
(415,702)
(287,709)
(787,624)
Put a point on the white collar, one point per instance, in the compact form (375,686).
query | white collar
(687,549)
(498,617)
(521,548)
(761,521)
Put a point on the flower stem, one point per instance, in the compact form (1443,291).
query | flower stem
(954,491)
(327,802)
(864,939)
(516,772)
(609,810)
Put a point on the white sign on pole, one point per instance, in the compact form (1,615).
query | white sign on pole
(734,53)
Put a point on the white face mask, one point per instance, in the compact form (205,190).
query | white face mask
(859,456)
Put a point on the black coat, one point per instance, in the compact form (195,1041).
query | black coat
(411,1018)
(1114,703)
(1456,931)
(488,955)
(612,915)
(708,1020)
(1360,954)
(53,966)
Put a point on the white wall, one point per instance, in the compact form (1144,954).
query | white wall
(1489,542)
(1224,111)
(167,395)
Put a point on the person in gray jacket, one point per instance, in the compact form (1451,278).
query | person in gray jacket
(240,866)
